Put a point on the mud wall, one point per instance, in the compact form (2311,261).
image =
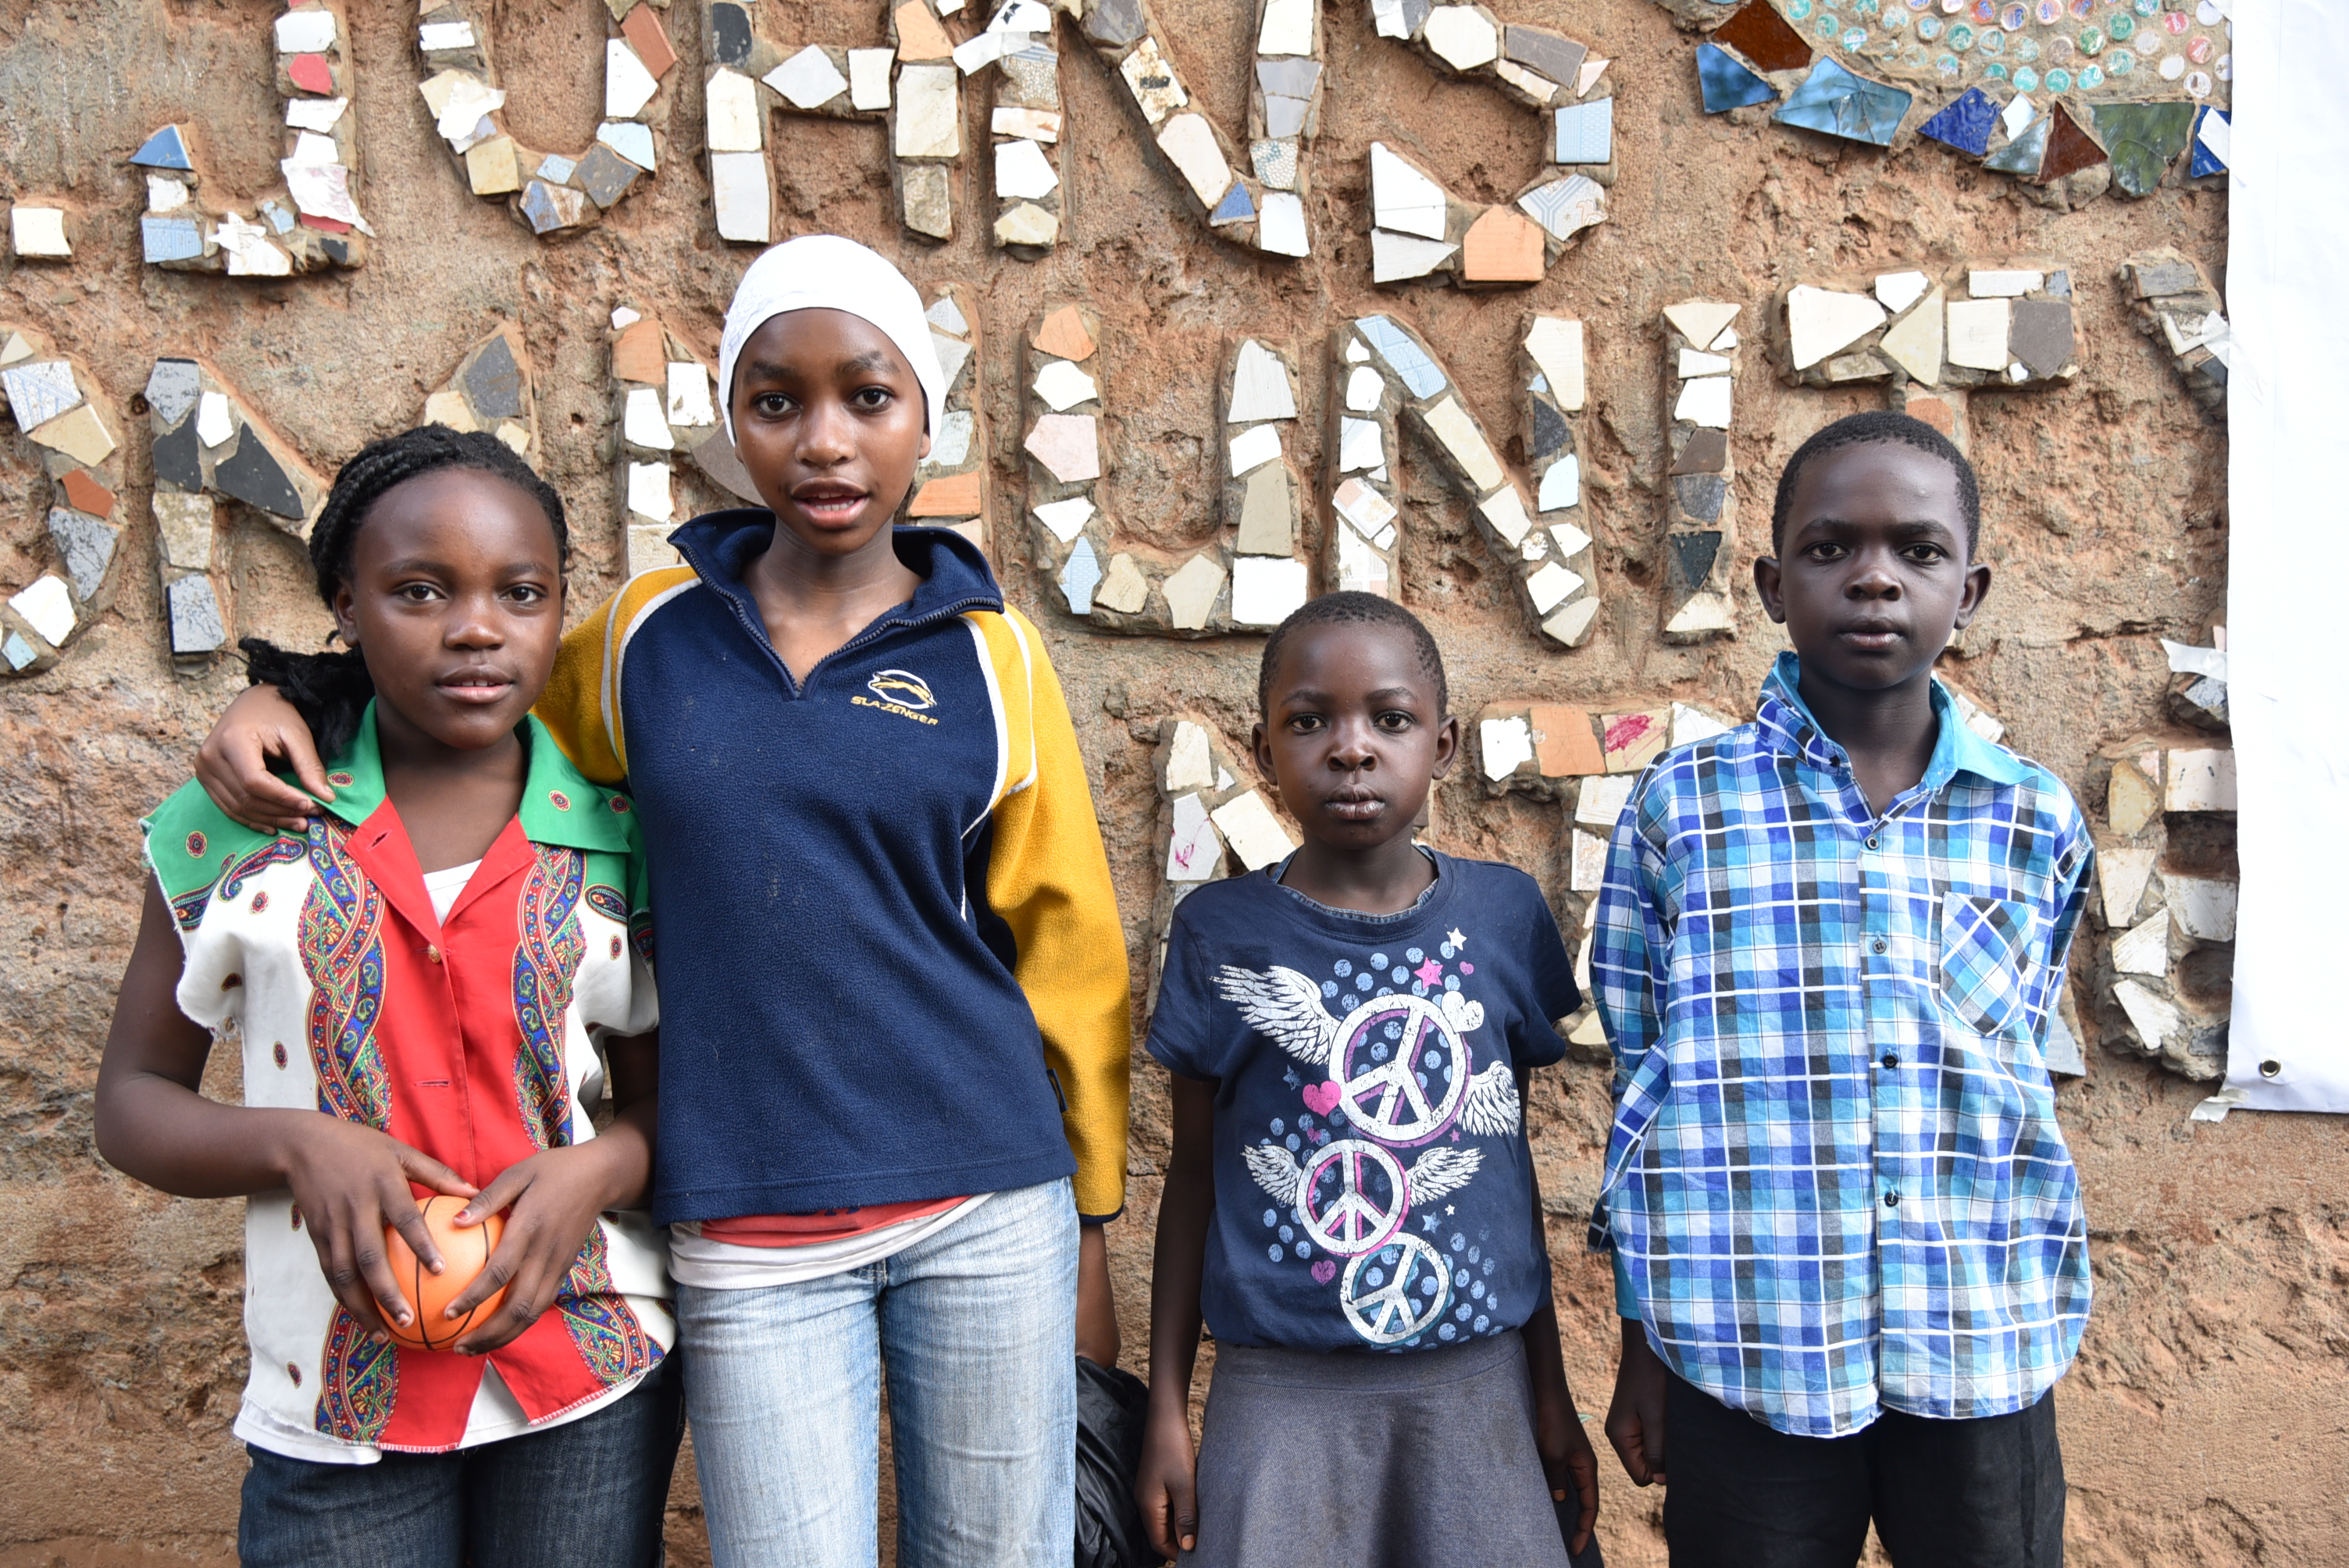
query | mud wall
(2202,1424)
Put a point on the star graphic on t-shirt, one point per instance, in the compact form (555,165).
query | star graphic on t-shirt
(1429,973)
(1454,937)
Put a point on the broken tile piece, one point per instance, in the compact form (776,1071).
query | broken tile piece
(1763,37)
(1565,743)
(39,232)
(551,207)
(491,166)
(1265,589)
(2145,140)
(39,390)
(1287,27)
(627,85)
(1505,512)
(252,475)
(688,403)
(1022,172)
(808,81)
(1402,354)
(1261,387)
(1253,449)
(183,529)
(449,409)
(493,381)
(1707,452)
(1280,226)
(1196,851)
(607,176)
(2069,149)
(1965,122)
(2010,284)
(955,495)
(1556,344)
(1562,485)
(649,495)
(1191,592)
(919,37)
(1125,589)
(1978,330)
(1701,321)
(214,424)
(1502,245)
(868,79)
(2024,153)
(1267,514)
(1067,518)
(1395,258)
(2039,333)
(1360,447)
(1151,82)
(1704,401)
(1834,102)
(1064,332)
(1032,124)
(1067,445)
(741,193)
(1896,291)
(1585,132)
(1189,143)
(929,112)
(1565,206)
(197,626)
(1821,321)
(1080,574)
(1553,54)
(1457,434)
(1914,342)
(1402,198)
(86,546)
(1507,743)
(166,149)
(1062,385)
(1254,834)
(84,493)
(1725,84)
(643,422)
(1462,37)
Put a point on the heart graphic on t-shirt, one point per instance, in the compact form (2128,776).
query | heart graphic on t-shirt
(1324,1271)
(1321,1099)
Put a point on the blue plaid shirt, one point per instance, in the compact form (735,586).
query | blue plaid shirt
(1835,1184)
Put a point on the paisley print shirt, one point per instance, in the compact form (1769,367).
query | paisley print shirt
(472,1039)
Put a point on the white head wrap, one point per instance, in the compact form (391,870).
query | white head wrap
(824,272)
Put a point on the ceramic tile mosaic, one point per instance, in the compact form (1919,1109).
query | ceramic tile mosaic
(662,412)
(910,85)
(314,224)
(2174,302)
(65,416)
(2096,94)
(1420,230)
(1931,338)
(552,193)
(208,447)
(1586,759)
(1212,820)
(1700,505)
(1563,581)
(38,232)
(1252,198)
(1362,452)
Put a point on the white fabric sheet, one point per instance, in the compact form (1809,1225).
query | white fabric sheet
(2288,407)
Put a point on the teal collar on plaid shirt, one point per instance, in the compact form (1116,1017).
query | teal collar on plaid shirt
(1836,1183)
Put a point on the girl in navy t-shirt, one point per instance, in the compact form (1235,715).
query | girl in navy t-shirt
(1351,1200)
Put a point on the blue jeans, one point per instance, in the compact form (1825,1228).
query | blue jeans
(587,1494)
(975,1328)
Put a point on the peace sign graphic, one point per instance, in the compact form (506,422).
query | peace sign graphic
(1401,1304)
(1352,1220)
(1386,1098)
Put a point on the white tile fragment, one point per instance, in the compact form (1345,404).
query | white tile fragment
(868,79)
(1601,798)
(2013,283)
(1066,519)
(1896,291)
(1063,386)
(1978,331)
(1196,851)
(690,404)
(1821,321)
(1022,172)
(1252,448)
(214,424)
(648,492)
(741,193)
(737,123)
(1556,344)
(1403,199)
(1260,388)
(1280,225)
(1704,401)
(306,32)
(1190,760)
(643,422)
(1254,834)
(1265,589)
(1507,745)
(627,85)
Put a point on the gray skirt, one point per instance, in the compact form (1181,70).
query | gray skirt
(1371,1460)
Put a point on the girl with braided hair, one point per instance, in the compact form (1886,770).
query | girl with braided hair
(436,980)
(893,981)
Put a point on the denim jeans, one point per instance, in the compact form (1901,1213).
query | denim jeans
(587,1494)
(975,1329)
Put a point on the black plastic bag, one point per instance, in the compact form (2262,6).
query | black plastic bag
(1110,1408)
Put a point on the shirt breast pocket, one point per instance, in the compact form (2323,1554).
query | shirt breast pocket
(1985,961)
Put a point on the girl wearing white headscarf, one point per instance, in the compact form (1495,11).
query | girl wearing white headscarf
(894,980)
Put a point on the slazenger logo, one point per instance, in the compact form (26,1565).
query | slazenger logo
(901,692)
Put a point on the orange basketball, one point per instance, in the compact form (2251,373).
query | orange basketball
(465,1250)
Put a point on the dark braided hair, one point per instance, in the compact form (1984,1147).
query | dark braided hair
(1872,428)
(331,690)
(1349,608)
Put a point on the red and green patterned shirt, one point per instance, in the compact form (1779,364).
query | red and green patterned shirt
(472,1039)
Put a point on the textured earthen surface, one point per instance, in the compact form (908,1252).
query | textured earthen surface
(2203,1425)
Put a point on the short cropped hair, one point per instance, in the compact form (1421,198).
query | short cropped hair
(1349,608)
(1872,428)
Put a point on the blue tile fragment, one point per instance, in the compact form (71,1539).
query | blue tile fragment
(17,652)
(1409,361)
(1234,207)
(2207,162)
(1833,100)
(167,149)
(1728,85)
(2025,153)
(625,137)
(1586,132)
(172,238)
(1080,576)
(1964,123)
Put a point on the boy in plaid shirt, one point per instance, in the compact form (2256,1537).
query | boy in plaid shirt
(1849,1254)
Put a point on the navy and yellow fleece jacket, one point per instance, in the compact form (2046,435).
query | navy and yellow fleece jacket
(890,960)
